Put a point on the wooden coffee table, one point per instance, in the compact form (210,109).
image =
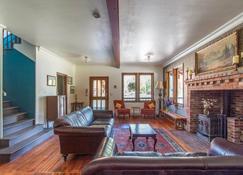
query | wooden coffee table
(141,130)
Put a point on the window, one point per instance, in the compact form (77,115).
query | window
(137,86)
(171,82)
(180,87)
(175,82)
(129,87)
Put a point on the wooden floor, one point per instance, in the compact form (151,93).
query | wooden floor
(46,159)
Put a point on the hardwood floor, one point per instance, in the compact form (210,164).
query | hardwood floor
(46,159)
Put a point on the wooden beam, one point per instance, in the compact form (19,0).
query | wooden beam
(113,11)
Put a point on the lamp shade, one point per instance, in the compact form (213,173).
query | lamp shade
(159,85)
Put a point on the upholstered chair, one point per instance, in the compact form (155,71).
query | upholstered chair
(149,108)
(120,109)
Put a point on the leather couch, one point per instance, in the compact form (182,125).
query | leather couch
(223,158)
(81,132)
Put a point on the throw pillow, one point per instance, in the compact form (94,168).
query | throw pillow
(118,106)
(172,108)
(151,105)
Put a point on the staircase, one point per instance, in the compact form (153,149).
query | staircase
(20,133)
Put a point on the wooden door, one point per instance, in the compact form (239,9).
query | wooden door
(99,93)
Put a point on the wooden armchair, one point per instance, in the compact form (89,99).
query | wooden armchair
(120,109)
(149,108)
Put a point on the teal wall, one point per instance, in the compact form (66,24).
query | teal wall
(19,80)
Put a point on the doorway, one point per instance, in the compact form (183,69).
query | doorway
(99,93)
(62,87)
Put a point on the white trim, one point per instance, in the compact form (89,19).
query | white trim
(1,83)
(218,32)
(2,26)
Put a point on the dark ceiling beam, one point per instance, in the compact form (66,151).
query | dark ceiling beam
(113,11)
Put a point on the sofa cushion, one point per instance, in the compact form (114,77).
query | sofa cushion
(138,153)
(88,113)
(103,121)
(185,154)
(108,129)
(73,120)
(82,118)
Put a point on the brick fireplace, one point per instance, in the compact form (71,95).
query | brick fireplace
(227,89)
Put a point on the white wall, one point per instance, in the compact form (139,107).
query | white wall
(83,72)
(47,63)
(27,49)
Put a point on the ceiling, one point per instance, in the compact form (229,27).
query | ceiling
(160,28)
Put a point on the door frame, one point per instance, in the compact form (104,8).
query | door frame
(106,89)
(65,87)
(1,82)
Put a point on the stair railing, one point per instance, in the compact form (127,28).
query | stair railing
(10,39)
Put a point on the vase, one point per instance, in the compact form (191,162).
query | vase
(205,111)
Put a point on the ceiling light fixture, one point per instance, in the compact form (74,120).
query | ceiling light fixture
(148,58)
(96,13)
(86,59)
(149,54)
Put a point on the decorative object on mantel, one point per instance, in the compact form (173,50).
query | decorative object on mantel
(51,80)
(236,61)
(69,80)
(160,87)
(190,73)
(241,55)
(187,70)
(217,56)
(207,105)
(72,89)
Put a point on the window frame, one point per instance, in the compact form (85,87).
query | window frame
(174,72)
(137,86)
(177,82)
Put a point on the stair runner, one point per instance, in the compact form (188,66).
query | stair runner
(20,133)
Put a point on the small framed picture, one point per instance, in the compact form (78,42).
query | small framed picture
(69,80)
(72,89)
(51,80)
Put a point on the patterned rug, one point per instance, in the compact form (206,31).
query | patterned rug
(164,144)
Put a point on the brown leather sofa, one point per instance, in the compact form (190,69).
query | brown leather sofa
(81,132)
(223,158)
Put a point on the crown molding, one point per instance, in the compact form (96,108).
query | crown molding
(215,34)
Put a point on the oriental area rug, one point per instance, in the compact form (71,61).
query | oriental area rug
(164,144)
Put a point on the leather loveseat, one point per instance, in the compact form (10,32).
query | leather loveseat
(223,158)
(81,132)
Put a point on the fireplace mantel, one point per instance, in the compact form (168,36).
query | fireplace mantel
(222,81)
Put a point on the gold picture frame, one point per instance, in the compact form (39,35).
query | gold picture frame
(217,56)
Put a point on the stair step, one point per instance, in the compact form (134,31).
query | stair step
(19,136)
(10,153)
(14,118)
(6,103)
(17,126)
(10,110)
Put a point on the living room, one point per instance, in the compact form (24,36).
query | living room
(102,87)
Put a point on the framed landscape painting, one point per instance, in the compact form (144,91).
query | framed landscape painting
(217,56)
